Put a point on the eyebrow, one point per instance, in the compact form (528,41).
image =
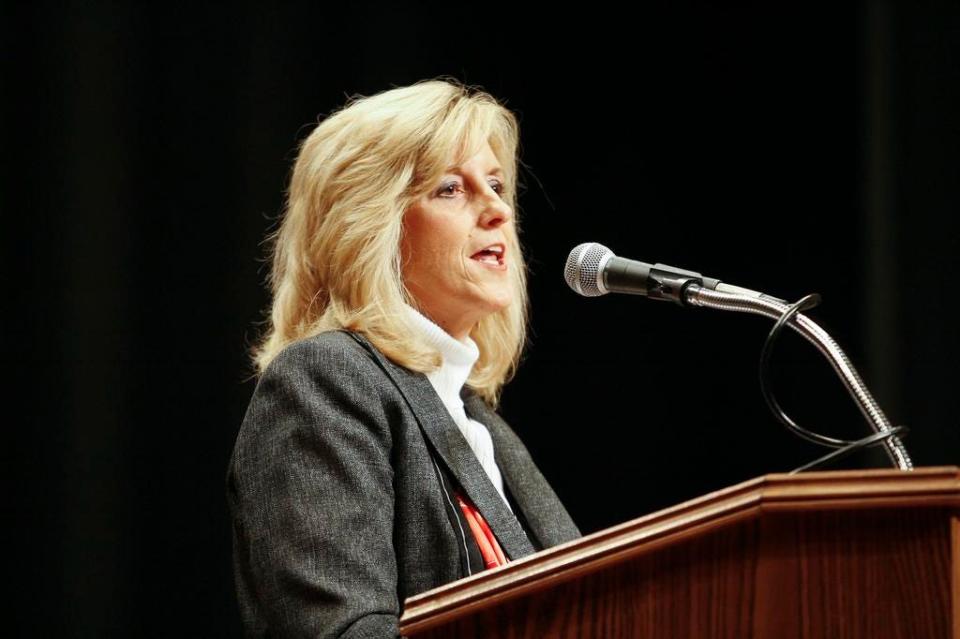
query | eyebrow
(494,171)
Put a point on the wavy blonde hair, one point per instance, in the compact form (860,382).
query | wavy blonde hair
(336,254)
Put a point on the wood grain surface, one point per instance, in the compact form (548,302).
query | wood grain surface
(823,555)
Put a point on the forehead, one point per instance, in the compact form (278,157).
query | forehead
(483,161)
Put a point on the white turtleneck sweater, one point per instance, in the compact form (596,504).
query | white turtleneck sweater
(458,361)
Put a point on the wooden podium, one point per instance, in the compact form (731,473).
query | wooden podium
(832,555)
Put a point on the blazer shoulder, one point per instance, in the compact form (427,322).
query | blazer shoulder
(333,367)
(336,351)
(316,389)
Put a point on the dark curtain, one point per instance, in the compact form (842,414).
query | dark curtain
(785,148)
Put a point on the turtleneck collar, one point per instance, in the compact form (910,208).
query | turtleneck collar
(458,358)
(448,380)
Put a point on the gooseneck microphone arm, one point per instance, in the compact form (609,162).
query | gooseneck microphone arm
(696,295)
(592,270)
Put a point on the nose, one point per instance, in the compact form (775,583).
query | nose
(495,212)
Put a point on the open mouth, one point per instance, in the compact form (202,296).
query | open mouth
(492,255)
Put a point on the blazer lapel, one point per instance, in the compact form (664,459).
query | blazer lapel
(548,520)
(448,441)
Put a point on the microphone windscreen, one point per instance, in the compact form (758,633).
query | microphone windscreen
(582,270)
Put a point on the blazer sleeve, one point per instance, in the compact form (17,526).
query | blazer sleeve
(311,495)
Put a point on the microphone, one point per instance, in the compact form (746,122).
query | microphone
(592,270)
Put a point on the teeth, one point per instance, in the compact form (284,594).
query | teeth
(493,254)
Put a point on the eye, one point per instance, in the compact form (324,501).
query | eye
(449,189)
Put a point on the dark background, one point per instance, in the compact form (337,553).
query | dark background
(786,148)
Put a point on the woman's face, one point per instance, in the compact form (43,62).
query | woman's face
(456,261)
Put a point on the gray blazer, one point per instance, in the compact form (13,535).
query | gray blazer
(340,490)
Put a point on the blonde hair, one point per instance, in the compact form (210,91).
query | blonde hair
(336,254)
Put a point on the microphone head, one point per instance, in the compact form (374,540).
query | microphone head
(584,269)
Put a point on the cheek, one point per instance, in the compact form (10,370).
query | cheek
(432,246)
(442,240)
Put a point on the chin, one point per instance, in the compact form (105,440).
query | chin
(497,305)
(491,301)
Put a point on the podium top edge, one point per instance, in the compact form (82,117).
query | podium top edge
(927,487)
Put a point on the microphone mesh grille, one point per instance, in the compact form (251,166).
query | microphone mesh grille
(583,266)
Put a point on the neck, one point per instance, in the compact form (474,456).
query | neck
(459,333)
(459,329)
(440,338)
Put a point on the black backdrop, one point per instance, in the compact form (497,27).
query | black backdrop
(785,148)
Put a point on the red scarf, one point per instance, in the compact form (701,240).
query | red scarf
(489,546)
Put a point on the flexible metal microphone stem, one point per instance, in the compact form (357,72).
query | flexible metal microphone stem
(696,295)
(592,269)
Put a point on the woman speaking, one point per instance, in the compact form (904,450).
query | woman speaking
(371,465)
